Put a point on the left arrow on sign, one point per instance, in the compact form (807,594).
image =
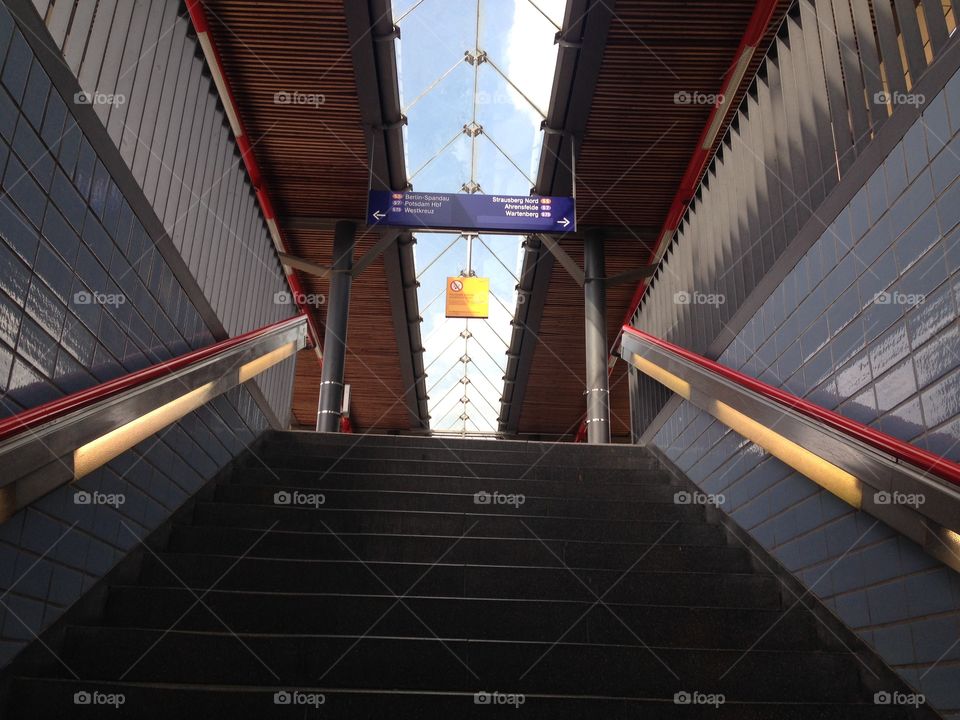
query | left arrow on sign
(379,215)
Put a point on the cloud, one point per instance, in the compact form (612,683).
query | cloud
(531,56)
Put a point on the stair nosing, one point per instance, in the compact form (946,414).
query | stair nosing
(453,513)
(497,538)
(424,564)
(382,491)
(340,690)
(479,641)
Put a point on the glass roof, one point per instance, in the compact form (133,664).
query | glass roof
(475,80)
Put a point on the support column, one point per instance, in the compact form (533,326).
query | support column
(595,315)
(335,335)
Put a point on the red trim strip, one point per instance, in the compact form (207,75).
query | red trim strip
(199,18)
(762,15)
(84,398)
(902,451)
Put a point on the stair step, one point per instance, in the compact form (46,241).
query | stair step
(400,595)
(448,580)
(53,699)
(451,468)
(654,484)
(470,549)
(503,524)
(310,441)
(457,665)
(471,618)
(551,456)
(484,499)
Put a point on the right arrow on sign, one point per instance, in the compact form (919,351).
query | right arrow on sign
(563,222)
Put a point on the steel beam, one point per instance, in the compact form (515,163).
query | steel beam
(370,27)
(569,264)
(335,334)
(387,237)
(582,41)
(317,222)
(306,266)
(595,325)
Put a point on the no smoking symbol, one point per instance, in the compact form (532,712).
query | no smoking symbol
(456,286)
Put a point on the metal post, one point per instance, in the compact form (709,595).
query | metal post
(335,336)
(595,315)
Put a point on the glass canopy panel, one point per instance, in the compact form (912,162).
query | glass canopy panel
(509,121)
(497,174)
(475,80)
(437,118)
(438,29)
(447,171)
(519,41)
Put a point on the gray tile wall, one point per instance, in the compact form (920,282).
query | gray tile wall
(171,131)
(70,247)
(865,324)
(56,549)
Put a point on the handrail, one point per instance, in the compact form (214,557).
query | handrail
(915,492)
(29,419)
(763,14)
(211,54)
(902,451)
(66,439)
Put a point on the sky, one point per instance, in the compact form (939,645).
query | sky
(440,93)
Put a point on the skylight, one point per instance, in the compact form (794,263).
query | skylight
(475,79)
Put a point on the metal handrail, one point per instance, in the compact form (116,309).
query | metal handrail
(902,451)
(65,439)
(914,491)
(74,401)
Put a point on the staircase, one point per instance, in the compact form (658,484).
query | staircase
(365,577)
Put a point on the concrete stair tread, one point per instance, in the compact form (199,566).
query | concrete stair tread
(505,581)
(154,701)
(549,667)
(399,596)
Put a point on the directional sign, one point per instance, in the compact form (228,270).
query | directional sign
(468,297)
(512,214)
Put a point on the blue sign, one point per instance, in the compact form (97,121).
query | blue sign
(512,214)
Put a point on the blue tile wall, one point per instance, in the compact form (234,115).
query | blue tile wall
(172,134)
(67,235)
(826,334)
(877,326)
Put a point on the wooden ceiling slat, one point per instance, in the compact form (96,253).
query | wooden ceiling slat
(634,154)
(637,146)
(314,161)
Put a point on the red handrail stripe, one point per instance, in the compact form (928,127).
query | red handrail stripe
(940,466)
(763,13)
(198,17)
(84,398)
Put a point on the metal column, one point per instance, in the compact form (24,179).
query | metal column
(335,335)
(595,316)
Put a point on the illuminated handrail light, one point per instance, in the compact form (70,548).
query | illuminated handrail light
(70,437)
(854,462)
(100,451)
(830,477)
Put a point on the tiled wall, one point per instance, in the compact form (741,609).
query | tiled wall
(56,549)
(67,234)
(826,335)
(85,294)
(829,333)
(169,129)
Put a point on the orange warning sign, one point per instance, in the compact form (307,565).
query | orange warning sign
(468,297)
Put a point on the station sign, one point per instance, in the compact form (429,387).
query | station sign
(468,297)
(464,212)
